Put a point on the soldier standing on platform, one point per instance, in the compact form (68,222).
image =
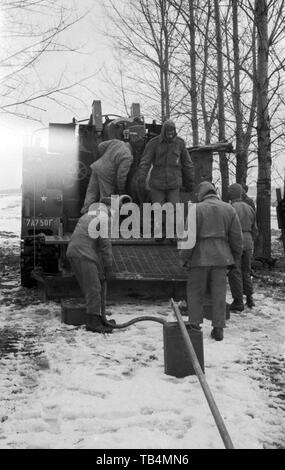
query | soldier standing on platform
(172,167)
(109,171)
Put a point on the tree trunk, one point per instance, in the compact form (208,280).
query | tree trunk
(252,112)
(224,168)
(193,92)
(241,153)
(165,56)
(204,78)
(164,60)
(263,245)
(162,95)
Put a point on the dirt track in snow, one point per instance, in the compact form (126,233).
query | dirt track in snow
(34,348)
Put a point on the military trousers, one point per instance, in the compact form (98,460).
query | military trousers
(240,277)
(200,280)
(165,227)
(87,275)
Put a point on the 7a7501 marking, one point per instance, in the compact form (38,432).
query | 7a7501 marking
(37,222)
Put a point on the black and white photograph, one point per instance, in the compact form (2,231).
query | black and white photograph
(142,227)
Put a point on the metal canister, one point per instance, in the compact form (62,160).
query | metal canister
(73,312)
(176,358)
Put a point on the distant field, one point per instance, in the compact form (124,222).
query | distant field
(6,192)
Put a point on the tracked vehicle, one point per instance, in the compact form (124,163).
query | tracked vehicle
(53,190)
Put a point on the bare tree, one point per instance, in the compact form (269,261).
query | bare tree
(268,16)
(221,104)
(263,132)
(145,30)
(209,115)
(32,29)
(241,75)
(241,155)
(201,89)
(187,12)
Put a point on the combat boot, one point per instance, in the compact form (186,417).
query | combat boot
(249,301)
(217,334)
(237,306)
(94,324)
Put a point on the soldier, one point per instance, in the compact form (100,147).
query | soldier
(109,171)
(218,245)
(172,166)
(90,258)
(246,198)
(240,274)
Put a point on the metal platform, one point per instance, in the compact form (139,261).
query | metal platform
(147,262)
(138,259)
(141,267)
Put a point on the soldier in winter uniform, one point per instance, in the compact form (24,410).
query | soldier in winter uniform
(240,274)
(109,171)
(172,166)
(90,258)
(246,198)
(218,245)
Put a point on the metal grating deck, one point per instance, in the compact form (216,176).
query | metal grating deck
(147,262)
(140,259)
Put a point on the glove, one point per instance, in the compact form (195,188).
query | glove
(107,273)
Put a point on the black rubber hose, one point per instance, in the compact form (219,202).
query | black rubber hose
(131,322)
(128,323)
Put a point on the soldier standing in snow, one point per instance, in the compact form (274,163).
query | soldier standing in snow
(109,171)
(240,274)
(246,198)
(218,245)
(90,258)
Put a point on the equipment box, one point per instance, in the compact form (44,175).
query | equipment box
(73,312)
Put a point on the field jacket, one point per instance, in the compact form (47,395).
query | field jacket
(247,220)
(218,238)
(114,162)
(172,166)
(83,246)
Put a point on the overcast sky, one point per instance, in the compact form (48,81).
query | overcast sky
(92,57)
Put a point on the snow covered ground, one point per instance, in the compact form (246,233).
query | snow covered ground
(63,387)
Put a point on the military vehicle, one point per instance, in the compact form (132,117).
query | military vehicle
(53,190)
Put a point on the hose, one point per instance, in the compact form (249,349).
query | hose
(131,322)
(128,323)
